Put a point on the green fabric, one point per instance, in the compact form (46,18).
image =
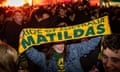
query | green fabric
(60,61)
(57,56)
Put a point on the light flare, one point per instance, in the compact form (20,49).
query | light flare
(16,3)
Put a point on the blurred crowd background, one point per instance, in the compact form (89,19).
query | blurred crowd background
(13,19)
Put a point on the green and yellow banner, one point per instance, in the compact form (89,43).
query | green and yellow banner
(36,36)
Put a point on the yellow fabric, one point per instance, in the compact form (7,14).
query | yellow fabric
(60,65)
(36,36)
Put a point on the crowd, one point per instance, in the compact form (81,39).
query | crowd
(13,20)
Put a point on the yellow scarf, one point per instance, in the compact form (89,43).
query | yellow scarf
(60,62)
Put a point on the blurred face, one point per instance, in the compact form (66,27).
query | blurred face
(18,17)
(46,16)
(59,48)
(1,17)
(111,60)
(62,12)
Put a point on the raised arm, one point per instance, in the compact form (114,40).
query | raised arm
(85,47)
(37,57)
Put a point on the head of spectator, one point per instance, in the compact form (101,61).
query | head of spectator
(62,12)
(53,10)
(46,14)
(2,20)
(18,16)
(39,15)
(58,49)
(111,53)
(8,58)
(2,15)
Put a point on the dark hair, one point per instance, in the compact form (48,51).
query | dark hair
(112,42)
(39,12)
(49,52)
(8,58)
(2,11)
(19,11)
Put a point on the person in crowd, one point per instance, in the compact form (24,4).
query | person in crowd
(62,16)
(2,15)
(95,14)
(62,57)
(110,57)
(82,15)
(71,14)
(41,18)
(2,21)
(8,58)
(111,53)
(13,28)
